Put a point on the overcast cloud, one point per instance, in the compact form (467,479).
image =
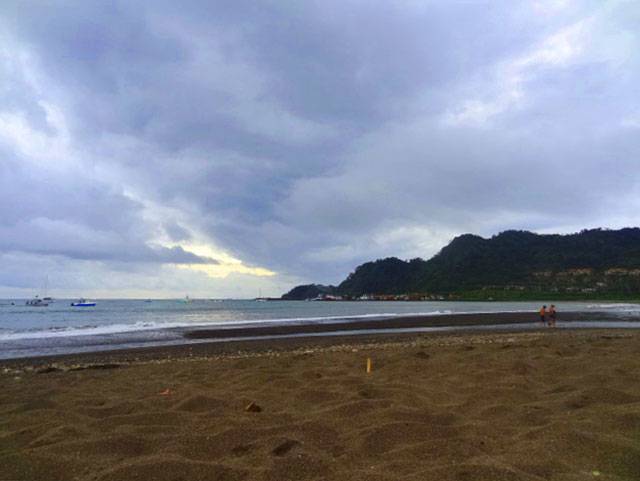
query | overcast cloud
(230,148)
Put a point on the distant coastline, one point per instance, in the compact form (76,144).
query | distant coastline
(477,296)
(595,264)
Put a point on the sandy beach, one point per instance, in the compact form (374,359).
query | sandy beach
(541,405)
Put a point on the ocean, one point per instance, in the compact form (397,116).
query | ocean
(113,324)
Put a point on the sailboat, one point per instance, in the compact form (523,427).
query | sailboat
(36,302)
(47,298)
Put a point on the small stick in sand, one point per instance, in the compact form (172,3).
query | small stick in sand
(368,365)
(252,407)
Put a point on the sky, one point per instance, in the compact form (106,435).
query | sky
(238,148)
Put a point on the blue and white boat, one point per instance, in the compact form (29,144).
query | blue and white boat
(83,303)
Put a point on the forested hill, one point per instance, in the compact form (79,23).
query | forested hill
(511,265)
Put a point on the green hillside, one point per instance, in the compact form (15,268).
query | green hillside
(592,264)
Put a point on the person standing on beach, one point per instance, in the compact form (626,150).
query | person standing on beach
(552,316)
(543,313)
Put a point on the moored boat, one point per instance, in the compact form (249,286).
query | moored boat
(83,303)
(37,302)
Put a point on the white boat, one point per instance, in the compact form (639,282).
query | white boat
(44,301)
(37,302)
(83,303)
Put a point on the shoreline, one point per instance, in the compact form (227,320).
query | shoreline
(395,322)
(209,342)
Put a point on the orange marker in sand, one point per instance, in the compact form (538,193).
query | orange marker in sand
(368,365)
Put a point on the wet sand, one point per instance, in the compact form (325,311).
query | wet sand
(400,322)
(556,405)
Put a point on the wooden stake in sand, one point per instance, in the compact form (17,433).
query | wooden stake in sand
(368,365)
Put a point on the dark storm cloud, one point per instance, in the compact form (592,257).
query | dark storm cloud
(48,212)
(308,137)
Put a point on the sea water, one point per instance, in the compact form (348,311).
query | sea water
(111,324)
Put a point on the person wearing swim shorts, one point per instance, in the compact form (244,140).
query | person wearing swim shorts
(552,316)
(543,314)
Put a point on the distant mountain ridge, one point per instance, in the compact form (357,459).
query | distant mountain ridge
(594,264)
